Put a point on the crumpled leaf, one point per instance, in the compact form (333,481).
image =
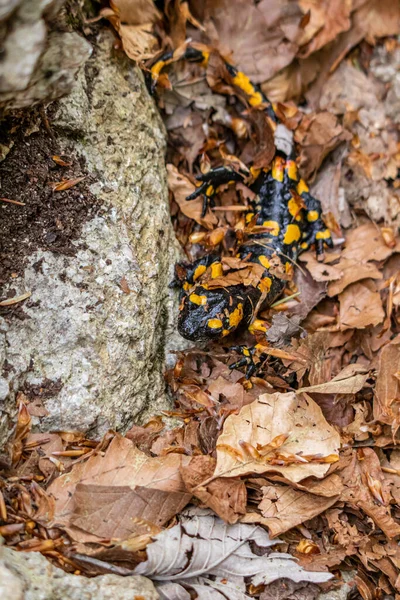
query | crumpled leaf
(225,496)
(283,507)
(328,18)
(213,559)
(387,390)
(361,470)
(247,442)
(181,187)
(282,329)
(104,482)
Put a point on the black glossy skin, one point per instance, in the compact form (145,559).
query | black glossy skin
(291,220)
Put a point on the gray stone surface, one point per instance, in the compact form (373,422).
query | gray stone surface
(36,66)
(30,576)
(106,347)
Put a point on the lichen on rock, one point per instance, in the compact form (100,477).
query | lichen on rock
(96,320)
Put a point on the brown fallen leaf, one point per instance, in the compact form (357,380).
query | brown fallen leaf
(361,468)
(122,465)
(48,443)
(352,271)
(66,184)
(387,389)
(318,134)
(225,496)
(360,306)
(181,187)
(321,271)
(366,243)
(328,19)
(262,40)
(296,420)
(283,507)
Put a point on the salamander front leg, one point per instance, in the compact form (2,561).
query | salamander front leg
(247,360)
(211,181)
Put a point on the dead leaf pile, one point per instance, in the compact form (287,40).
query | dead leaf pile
(307,449)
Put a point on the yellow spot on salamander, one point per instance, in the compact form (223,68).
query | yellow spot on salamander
(323,235)
(312,216)
(278,168)
(186,286)
(199,300)
(214,324)
(206,56)
(243,83)
(255,172)
(236,316)
(258,325)
(304,246)
(249,217)
(291,169)
(264,261)
(246,352)
(210,190)
(288,268)
(265,284)
(292,234)
(273,227)
(302,187)
(225,332)
(294,208)
(199,272)
(216,270)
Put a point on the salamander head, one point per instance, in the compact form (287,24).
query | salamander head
(209,314)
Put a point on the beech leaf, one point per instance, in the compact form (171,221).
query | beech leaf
(297,421)
(216,560)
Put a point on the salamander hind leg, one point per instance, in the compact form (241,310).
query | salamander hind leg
(316,232)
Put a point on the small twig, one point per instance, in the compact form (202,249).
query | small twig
(12,201)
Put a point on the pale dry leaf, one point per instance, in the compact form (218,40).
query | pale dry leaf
(345,382)
(360,306)
(122,465)
(207,555)
(263,421)
(366,243)
(181,187)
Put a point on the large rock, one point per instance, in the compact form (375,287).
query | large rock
(90,340)
(31,577)
(36,66)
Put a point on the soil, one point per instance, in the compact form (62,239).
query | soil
(49,220)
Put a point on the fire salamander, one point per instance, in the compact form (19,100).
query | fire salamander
(288,221)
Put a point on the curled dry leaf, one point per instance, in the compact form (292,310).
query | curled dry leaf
(181,187)
(294,422)
(107,483)
(208,556)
